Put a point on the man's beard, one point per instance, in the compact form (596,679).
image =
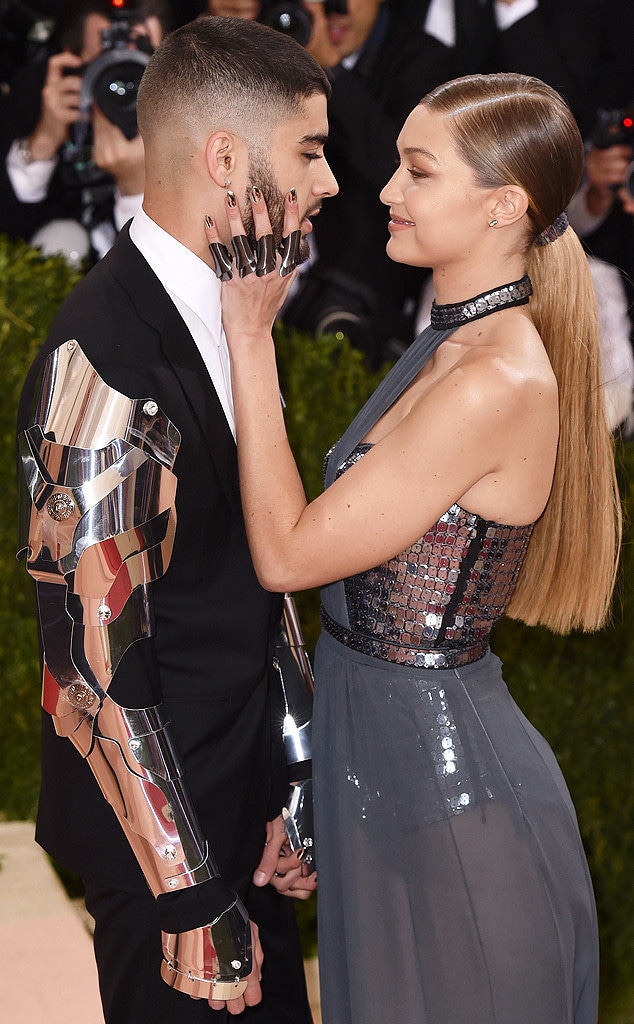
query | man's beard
(261,174)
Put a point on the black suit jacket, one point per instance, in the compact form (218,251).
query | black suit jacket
(557,42)
(207,660)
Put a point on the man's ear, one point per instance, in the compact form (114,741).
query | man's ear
(509,205)
(220,154)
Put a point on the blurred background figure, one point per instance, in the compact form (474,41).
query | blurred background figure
(71,160)
(602,211)
(555,40)
(379,70)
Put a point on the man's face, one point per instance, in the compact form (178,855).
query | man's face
(347,32)
(234,8)
(296,160)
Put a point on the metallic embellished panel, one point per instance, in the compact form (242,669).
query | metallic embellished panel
(434,605)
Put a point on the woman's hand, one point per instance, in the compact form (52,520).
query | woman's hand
(254,284)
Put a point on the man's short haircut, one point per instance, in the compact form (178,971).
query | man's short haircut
(228,73)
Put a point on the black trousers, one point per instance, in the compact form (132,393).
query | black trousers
(128,954)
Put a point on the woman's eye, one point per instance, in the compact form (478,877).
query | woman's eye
(415,173)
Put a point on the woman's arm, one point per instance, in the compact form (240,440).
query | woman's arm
(458,435)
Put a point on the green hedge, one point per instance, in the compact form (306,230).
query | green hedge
(575,689)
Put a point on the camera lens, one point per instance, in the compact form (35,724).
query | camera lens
(343,323)
(112,82)
(289,19)
(115,92)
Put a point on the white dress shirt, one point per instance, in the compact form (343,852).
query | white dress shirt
(440,20)
(195,291)
(30,183)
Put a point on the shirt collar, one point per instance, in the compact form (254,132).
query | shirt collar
(179,269)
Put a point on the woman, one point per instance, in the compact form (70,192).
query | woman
(477,480)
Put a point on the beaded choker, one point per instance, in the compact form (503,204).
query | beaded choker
(453,314)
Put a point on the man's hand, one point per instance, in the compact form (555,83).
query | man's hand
(282,868)
(60,106)
(120,157)
(253,993)
(605,170)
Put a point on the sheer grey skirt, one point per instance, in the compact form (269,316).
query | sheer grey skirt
(453,885)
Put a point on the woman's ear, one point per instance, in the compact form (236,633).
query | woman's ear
(220,154)
(509,205)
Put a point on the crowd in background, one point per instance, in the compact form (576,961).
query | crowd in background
(69,181)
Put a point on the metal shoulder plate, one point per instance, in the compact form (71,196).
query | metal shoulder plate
(100,519)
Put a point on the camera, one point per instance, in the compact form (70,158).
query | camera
(628,181)
(616,128)
(112,79)
(328,301)
(289,17)
(613,128)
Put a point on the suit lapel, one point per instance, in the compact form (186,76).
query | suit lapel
(156,308)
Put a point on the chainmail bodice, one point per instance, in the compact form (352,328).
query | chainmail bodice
(434,605)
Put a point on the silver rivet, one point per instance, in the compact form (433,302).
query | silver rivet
(169,853)
(150,408)
(172,882)
(81,695)
(236,964)
(71,345)
(103,612)
(60,506)
(134,744)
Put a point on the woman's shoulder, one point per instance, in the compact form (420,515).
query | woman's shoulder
(506,352)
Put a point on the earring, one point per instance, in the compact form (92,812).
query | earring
(492,223)
(227,183)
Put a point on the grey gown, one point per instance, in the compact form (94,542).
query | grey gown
(453,886)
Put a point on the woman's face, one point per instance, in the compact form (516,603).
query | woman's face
(437,211)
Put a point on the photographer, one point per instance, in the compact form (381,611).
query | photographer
(602,211)
(379,70)
(59,164)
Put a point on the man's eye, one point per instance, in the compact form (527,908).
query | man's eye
(313,156)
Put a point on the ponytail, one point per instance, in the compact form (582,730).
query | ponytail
(569,572)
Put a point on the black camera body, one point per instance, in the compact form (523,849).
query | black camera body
(613,128)
(290,17)
(112,79)
(616,128)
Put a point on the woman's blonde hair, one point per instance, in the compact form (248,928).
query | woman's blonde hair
(512,129)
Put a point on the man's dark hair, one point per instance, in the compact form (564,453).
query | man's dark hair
(229,68)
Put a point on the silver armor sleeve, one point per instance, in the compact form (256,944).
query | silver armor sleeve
(296,679)
(99,526)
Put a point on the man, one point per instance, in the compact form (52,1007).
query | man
(379,71)
(155,631)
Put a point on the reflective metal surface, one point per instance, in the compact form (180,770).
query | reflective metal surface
(296,680)
(212,961)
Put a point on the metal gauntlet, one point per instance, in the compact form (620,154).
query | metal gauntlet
(296,678)
(99,524)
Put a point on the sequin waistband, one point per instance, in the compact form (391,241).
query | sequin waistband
(449,657)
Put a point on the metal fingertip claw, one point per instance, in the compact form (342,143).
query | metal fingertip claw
(289,251)
(222,261)
(266,256)
(245,257)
